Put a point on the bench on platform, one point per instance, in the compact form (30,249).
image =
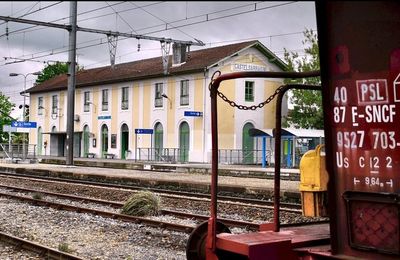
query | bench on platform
(90,155)
(109,155)
(168,158)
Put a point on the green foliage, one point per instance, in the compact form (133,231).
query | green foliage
(17,138)
(5,119)
(64,247)
(307,104)
(143,203)
(37,196)
(52,70)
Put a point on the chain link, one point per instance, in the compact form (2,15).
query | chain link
(242,107)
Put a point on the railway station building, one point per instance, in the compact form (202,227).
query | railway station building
(137,111)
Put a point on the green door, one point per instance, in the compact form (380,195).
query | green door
(85,140)
(184,134)
(124,140)
(39,141)
(158,141)
(247,145)
(104,140)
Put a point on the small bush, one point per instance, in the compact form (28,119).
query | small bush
(64,247)
(143,203)
(37,196)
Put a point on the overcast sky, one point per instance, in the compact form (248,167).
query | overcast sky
(277,25)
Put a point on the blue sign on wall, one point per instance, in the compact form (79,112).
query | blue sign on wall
(22,124)
(143,131)
(193,113)
(103,117)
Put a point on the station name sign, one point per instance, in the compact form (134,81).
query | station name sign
(22,124)
(247,67)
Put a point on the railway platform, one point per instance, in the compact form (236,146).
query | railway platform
(190,177)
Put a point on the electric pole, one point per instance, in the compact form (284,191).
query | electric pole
(71,83)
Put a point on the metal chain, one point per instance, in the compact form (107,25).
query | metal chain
(242,107)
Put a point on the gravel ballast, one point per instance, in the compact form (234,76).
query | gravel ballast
(89,236)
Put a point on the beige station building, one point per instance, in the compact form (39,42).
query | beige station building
(136,111)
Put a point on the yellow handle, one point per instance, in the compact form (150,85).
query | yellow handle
(318,149)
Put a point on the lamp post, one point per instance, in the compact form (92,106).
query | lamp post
(23,108)
(170,101)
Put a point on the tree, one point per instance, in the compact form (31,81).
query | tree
(5,118)
(307,104)
(51,71)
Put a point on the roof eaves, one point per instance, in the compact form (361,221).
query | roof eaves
(228,57)
(152,76)
(271,56)
(47,90)
(111,81)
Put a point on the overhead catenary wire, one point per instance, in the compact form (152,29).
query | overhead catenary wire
(122,18)
(27,29)
(253,10)
(152,49)
(108,33)
(158,18)
(40,9)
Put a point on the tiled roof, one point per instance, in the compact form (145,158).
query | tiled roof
(148,68)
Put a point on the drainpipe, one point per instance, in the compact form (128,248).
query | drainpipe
(204,115)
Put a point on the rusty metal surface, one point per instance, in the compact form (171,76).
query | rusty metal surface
(277,245)
(278,138)
(360,68)
(373,221)
(214,85)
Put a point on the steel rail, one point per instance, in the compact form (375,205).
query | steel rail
(291,207)
(122,217)
(230,222)
(43,251)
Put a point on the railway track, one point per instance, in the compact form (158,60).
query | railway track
(290,207)
(43,251)
(114,204)
(162,225)
(106,214)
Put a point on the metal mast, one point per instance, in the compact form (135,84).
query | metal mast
(71,83)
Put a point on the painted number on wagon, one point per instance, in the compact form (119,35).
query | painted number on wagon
(351,140)
(384,140)
(340,95)
(339,114)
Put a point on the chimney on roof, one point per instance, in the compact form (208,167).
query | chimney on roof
(179,53)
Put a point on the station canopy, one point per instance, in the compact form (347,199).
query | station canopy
(300,133)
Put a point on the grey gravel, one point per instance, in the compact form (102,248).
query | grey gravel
(9,252)
(89,236)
